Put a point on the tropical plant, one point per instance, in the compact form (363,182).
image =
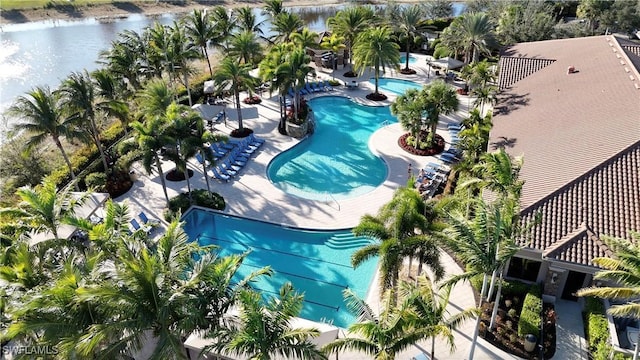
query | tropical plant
(622,271)
(42,117)
(111,94)
(183,52)
(349,23)
(285,24)
(381,337)
(305,38)
(80,100)
(484,95)
(235,76)
(126,58)
(376,49)
(429,310)
(526,21)
(154,98)
(474,139)
(224,25)
(498,172)
(263,330)
(272,8)
(292,73)
(410,108)
(200,30)
(335,43)
(246,48)
(401,229)
(440,99)
(476,35)
(409,24)
(438,9)
(246,20)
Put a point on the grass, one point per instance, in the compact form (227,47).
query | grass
(40,4)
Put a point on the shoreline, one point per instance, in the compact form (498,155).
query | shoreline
(124,9)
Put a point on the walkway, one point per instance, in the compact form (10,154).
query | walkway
(252,195)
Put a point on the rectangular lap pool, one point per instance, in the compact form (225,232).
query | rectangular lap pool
(317,262)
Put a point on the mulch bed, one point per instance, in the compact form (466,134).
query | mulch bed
(350,74)
(241,133)
(376,97)
(436,149)
(175,175)
(407,71)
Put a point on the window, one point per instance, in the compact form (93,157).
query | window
(523,269)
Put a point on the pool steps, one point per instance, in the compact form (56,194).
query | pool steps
(347,241)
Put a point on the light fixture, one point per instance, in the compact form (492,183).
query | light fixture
(554,278)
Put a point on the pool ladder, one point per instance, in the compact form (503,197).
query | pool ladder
(330,197)
(385,123)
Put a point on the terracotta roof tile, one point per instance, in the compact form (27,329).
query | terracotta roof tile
(579,134)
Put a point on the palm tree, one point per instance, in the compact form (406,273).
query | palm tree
(42,118)
(272,8)
(381,337)
(43,209)
(349,23)
(224,25)
(484,95)
(477,35)
(474,139)
(247,20)
(180,120)
(429,310)
(183,52)
(409,24)
(622,270)
(154,99)
(481,74)
(401,228)
(498,172)
(151,137)
(410,108)
(305,38)
(335,43)
(236,76)
(80,100)
(127,58)
(376,49)
(441,99)
(485,244)
(285,24)
(111,93)
(246,48)
(200,30)
(263,330)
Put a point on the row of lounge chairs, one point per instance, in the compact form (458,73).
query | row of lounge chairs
(431,177)
(147,224)
(313,87)
(236,157)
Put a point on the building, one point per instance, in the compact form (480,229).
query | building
(572,108)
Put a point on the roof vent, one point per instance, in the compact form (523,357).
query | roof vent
(571,70)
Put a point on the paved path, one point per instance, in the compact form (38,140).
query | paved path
(252,195)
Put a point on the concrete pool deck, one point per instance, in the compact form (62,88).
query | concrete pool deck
(252,195)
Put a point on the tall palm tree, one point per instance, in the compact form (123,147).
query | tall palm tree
(335,43)
(410,110)
(200,30)
(237,77)
(429,310)
(246,20)
(478,35)
(623,270)
(441,99)
(272,8)
(285,24)
(151,137)
(481,74)
(180,121)
(111,94)
(305,38)
(42,117)
(154,98)
(268,73)
(224,25)
(484,95)
(399,227)
(474,139)
(81,101)
(263,331)
(349,23)
(375,48)
(184,52)
(127,58)
(498,172)
(409,24)
(381,337)
(246,48)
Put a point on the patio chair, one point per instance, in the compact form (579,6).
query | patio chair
(327,86)
(256,140)
(146,221)
(136,226)
(218,176)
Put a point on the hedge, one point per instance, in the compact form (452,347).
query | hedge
(531,315)
(179,204)
(597,330)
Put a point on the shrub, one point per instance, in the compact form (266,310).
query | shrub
(334,82)
(513,287)
(97,181)
(531,317)
(180,203)
(597,329)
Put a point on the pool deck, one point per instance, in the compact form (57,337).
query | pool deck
(252,195)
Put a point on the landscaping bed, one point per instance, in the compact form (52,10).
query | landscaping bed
(427,151)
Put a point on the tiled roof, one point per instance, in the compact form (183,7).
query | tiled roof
(519,68)
(606,201)
(579,134)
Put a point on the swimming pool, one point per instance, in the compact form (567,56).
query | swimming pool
(335,162)
(403,59)
(396,86)
(318,263)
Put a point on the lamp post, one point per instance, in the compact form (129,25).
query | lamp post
(428,69)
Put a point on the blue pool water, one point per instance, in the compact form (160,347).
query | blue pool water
(403,59)
(318,263)
(336,159)
(396,86)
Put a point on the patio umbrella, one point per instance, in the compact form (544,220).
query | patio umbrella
(448,63)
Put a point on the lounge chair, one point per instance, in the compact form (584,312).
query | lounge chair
(458,127)
(217,175)
(146,221)
(229,168)
(308,88)
(136,226)
(256,140)
(327,86)
(218,152)
(291,93)
(226,145)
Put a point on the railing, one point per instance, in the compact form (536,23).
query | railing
(385,123)
(330,197)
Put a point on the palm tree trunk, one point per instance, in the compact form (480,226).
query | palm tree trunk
(376,77)
(407,54)
(96,139)
(206,55)
(496,303)
(474,341)
(434,127)
(66,160)
(186,83)
(637,348)
(206,177)
(492,284)
(433,347)
(162,181)
(237,94)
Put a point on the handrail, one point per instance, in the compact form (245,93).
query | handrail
(329,195)
(385,123)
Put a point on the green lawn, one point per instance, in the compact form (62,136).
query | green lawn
(34,4)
